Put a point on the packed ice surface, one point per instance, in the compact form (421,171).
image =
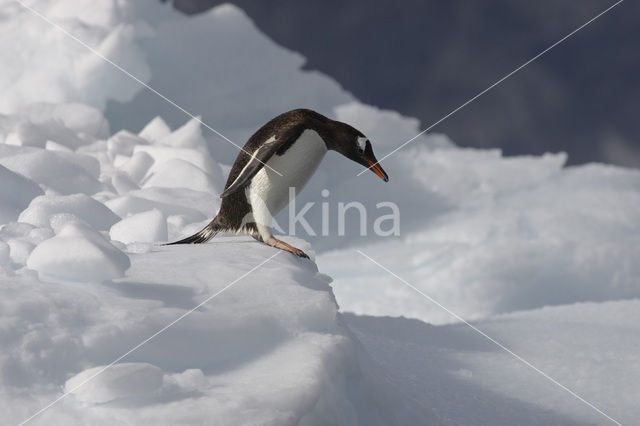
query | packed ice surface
(95,171)
(591,348)
(269,349)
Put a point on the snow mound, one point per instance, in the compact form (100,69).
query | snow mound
(148,226)
(162,154)
(19,250)
(125,380)
(129,205)
(78,253)
(42,208)
(187,136)
(137,166)
(53,170)
(155,130)
(178,173)
(123,142)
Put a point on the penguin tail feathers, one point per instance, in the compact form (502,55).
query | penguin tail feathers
(203,236)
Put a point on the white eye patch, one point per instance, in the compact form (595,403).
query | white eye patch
(362,142)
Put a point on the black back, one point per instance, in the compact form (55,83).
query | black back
(235,206)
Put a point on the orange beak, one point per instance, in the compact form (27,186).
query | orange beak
(377,170)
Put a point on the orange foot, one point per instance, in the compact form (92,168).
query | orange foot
(274,242)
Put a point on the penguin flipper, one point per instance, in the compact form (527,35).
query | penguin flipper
(261,156)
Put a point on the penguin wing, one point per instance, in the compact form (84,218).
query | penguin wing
(260,156)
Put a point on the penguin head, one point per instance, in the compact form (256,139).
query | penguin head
(355,146)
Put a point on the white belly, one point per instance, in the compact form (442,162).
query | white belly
(268,192)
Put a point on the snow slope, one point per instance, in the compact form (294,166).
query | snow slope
(92,178)
(270,349)
(234,332)
(590,347)
(516,233)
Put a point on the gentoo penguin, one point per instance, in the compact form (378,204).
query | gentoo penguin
(283,153)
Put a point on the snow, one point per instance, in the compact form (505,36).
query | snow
(162,154)
(124,380)
(155,129)
(16,192)
(78,253)
(52,170)
(176,173)
(545,235)
(81,205)
(137,166)
(147,226)
(588,347)
(540,256)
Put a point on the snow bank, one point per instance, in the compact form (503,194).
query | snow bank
(483,234)
(270,347)
(78,253)
(589,347)
(514,233)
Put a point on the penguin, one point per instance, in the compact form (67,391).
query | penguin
(283,153)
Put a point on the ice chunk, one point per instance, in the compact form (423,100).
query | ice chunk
(187,136)
(86,208)
(123,142)
(178,173)
(11,150)
(20,250)
(55,146)
(50,169)
(154,130)
(16,192)
(59,220)
(38,235)
(143,227)
(123,183)
(190,379)
(125,380)
(88,163)
(207,203)
(137,166)
(78,253)
(162,154)
(127,205)
(15,230)
(31,134)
